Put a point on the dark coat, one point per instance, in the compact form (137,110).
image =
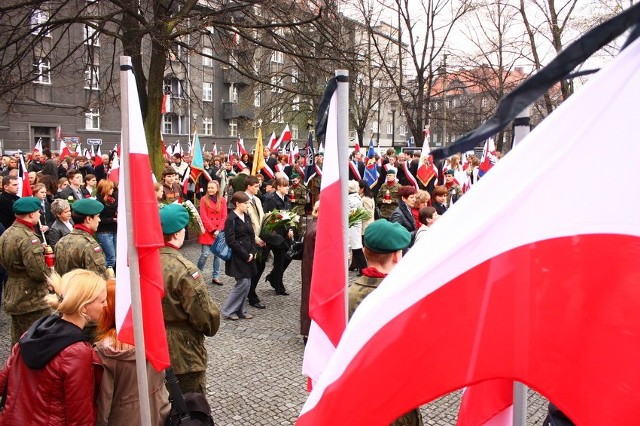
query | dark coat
(67,192)
(108,221)
(272,201)
(56,231)
(402,215)
(241,239)
(7,217)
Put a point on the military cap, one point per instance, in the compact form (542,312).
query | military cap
(26,205)
(87,206)
(391,171)
(173,218)
(383,236)
(295,176)
(450,172)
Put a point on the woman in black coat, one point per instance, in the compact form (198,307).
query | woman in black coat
(279,240)
(241,238)
(402,214)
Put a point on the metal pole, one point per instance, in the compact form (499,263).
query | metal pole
(134,274)
(521,127)
(393,128)
(342,97)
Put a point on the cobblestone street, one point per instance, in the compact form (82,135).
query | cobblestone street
(254,373)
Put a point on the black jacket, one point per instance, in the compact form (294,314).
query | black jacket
(402,215)
(241,238)
(7,217)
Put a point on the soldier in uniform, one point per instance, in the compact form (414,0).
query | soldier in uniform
(22,255)
(297,195)
(316,180)
(383,245)
(189,312)
(79,248)
(387,199)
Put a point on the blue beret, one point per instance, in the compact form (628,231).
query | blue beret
(87,206)
(27,205)
(173,218)
(383,236)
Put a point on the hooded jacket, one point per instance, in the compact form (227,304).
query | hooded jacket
(53,375)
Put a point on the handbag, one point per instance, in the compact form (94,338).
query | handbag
(190,409)
(295,250)
(220,247)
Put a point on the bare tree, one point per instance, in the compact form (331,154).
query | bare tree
(424,29)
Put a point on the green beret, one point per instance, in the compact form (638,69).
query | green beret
(294,176)
(173,218)
(383,236)
(87,206)
(26,205)
(450,172)
(391,171)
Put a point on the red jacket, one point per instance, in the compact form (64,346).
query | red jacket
(212,218)
(61,393)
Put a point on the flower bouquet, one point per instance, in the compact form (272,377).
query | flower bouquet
(280,219)
(358,214)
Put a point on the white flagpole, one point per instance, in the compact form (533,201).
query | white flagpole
(134,273)
(342,93)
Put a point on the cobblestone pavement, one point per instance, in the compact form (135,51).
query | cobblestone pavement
(254,373)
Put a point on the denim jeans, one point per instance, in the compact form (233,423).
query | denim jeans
(107,241)
(204,254)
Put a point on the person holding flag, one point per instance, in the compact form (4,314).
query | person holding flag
(189,312)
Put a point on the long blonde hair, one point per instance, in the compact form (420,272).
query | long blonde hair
(74,290)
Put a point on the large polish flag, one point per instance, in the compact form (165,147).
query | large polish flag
(147,240)
(540,283)
(327,300)
(285,137)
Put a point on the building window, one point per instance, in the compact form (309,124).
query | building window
(91,78)
(294,76)
(294,132)
(295,106)
(166,88)
(207,126)
(275,81)
(207,53)
(257,98)
(233,93)
(277,57)
(92,119)
(167,124)
(403,130)
(38,20)
(484,102)
(389,128)
(207,92)
(276,115)
(233,128)
(374,127)
(42,71)
(91,35)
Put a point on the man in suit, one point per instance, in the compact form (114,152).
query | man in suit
(252,186)
(8,196)
(72,192)
(356,166)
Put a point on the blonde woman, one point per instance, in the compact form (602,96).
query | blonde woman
(53,373)
(213,212)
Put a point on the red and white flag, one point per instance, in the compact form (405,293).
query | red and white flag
(98,158)
(272,141)
(539,286)
(147,238)
(327,300)
(64,150)
(114,171)
(166,104)
(285,137)
(489,158)
(241,148)
(37,148)
(426,169)
(24,187)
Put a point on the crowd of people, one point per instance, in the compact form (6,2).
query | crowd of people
(74,210)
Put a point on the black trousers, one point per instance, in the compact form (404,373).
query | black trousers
(280,264)
(261,260)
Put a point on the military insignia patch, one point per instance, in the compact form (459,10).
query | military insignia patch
(195,275)
(35,241)
(97,249)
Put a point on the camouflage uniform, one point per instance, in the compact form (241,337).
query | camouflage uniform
(22,255)
(299,201)
(190,314)
(314,188)
(387,208)
(358,290)
(80,250)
